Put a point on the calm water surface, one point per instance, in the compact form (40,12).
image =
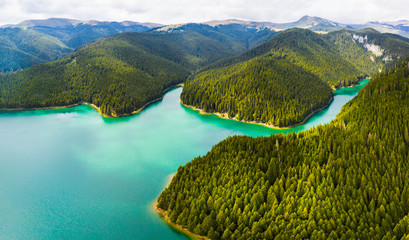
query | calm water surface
(71,174)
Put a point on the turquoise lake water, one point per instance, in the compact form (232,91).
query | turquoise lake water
(72,174)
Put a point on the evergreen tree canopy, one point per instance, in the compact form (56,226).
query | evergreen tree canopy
(277,82)
(345,180)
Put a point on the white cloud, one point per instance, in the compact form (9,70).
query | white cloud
(166,11)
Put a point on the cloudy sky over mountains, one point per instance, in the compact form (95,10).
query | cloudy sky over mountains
(180,11)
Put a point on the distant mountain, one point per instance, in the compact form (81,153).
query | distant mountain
(67,23)
(398,27)
(75,33)
(306,22)
(311,23)
(247,24)
(240,35)
(36,41)
(318,24)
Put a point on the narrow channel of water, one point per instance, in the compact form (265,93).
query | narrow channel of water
(71,174)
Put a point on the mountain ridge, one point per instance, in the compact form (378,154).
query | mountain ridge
(64,22)
(309,22)
(73,33)
(319,24)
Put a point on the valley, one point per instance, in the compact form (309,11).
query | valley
(275,130)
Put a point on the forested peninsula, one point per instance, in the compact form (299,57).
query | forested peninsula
(264,90)
(345,180)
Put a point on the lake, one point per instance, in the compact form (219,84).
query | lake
(72,174)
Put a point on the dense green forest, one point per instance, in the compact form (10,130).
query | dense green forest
(94,74)
(327,49)
(272,82)
(115,73)
(314,53)
(22,48)
(305,49)
(119,73)
(268,89)
(344,180)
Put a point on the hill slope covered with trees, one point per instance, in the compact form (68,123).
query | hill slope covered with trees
(113,74)
(238,85)
(119,74)
(305,49)
(22,48)
(344,180)
(267,89)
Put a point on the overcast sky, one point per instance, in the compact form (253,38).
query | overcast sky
(181,11)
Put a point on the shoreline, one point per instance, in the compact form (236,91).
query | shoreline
(164,217)
(350,86)
(223,116)
(94,106)
(41,108)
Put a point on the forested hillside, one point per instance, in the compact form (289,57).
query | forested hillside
(188,48)
(113,74)
(268,89)
(22,48)
(344,180)
(314,53)
(119,74)
(306,49)
(247,89)
(363,52)
(279,83)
